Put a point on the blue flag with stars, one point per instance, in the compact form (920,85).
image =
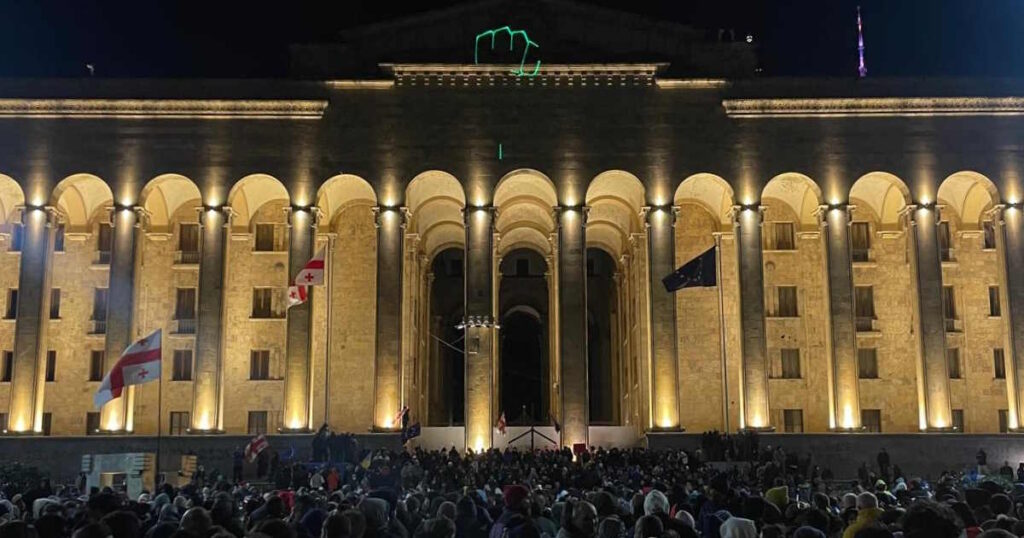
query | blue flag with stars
(696,273)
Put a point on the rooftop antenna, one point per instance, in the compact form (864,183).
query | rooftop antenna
(862,69)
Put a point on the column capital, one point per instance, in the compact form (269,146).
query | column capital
(53,214)
(648,211)
(468,210)
(824,209)
(225,210)
(380,210)
(559,209)
(997,211)
(736,210)
(910,211)
(315,212)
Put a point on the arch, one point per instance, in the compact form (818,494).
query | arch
(524,237)
(708,191)
(523,309)
(525,182)
(615,199)
(797,191)
(11,197)
(435,200)
(883,194)
(79,197)
(165,194)
(251,193)
(341,190)
(617,184)
(969,194)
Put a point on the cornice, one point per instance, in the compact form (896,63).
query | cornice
(874,106)
(508,75)
(163,108)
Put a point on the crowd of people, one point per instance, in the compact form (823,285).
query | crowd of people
(617,493)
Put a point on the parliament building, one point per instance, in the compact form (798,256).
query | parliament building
(499,190)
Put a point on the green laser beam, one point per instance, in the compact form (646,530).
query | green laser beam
(511,46)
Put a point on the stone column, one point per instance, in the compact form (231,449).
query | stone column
(29,369)
(841,330)
(388,362)
(930,333)
(572,312)
(298,380)
(754,409)
(115,417)
(661,244)
(207,402)
(1009,228)
(479,326)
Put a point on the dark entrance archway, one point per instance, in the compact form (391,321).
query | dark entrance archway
(524,377)
(601,356)
(447,377)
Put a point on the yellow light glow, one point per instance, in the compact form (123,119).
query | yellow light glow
(113,421)
(847,417)
(478,445)
(757,421)
(388,423)
(295,423)
(665,422)
(19,426)
(204,421)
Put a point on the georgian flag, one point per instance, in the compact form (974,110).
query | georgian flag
(139,364)
(501,424)
(297,295)
(257,445)
(313,273)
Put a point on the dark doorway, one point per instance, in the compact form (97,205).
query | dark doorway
(601,316)
(524,377)
(447,379)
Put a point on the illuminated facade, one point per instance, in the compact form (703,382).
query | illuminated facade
(870,236)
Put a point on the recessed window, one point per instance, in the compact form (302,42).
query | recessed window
(7,370)
(958,420)
(1004,421)
(860,240)
(871,420)
(17,237)
(58,239)
(12,304)
(259,364)
(989,230)
(999,363)
(953,362)
(185,304)
(104,241)
(182,365)
(782,237)
(864,304)
(789,363)
(867,363)
(188,237)
(257,422)
(787,302)
(994,308)
(793,420)
(55,303)
(945,245)
(262,300)
(179,422)
(264,238)
(96,358)
(92,422)
(47,423)
(51,365)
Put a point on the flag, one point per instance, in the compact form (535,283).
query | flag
(255,447)
(558,427)
(365,464)
(297,295)
(139,364)
(400,418)
(313,273)
(501,423)
(698,272)
(411,433)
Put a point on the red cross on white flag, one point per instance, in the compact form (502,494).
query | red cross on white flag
(313,273)
(297,295)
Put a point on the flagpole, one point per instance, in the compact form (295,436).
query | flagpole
(721,326)
(330,327)
(159,417)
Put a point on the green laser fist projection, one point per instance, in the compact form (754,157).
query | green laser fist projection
(521,72)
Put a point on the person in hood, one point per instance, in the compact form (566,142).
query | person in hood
(867,514)
(738,527)
(516,513)
(579,520)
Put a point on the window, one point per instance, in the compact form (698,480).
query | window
(17,237)
(264,238)
(99,304)
(867,363)
(257,422)
(1004,421)
(787,302)
(58,239)
(793,420)
(522,267)
(953,362)
(261,302)
(96,358)
(259,364)
(989,231)
(104,240)
(92,422)
(179,422)
(999,363)
(182,365)
(185,304)
(8,367)
(790,363)
(944,243)
(47,423)
(3,421)
(782,237)
(949,307)
(12,304)
(51,365)
(958,420)
(864,304)
(871,419)
(994,309)
(860,240)
(188,237)
(55,303)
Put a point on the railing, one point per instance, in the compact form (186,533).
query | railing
(185,326)
(186,257)
(102,257)
(865,324)
(99,326)
(267,314)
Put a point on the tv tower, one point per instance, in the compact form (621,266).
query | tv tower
(862,70)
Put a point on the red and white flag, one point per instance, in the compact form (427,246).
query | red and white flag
(297,295)
(401,414)
(501,423)
(257,445)
(313,273)
(139,364)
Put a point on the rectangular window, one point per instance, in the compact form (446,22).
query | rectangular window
(1004,421)
(104,241)
(185,304)
(47,423)
(994,308)
(3,421)
(949,302)
(787,302)
(953,362)
(8,367)
(860,240)
(790,363)
(864,304)
(945,245)
(92,422)
(179,423)
(783,236)
(958,420)
(261,302)
(989,230)
(12,303)
(793,420)
(51,365)
(188,237)
(999,363)
(257,422)
(58,239)
(871,419)
(96,358)
(264,238)
(182,365)
(55,303)
(867,363)
(259,364)
(17,237)
(99,304)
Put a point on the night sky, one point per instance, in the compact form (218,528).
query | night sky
(231,38)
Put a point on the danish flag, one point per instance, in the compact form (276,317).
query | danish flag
(313,273)
(139,364)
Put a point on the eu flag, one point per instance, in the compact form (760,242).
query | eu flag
(411,433)
(696,273)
